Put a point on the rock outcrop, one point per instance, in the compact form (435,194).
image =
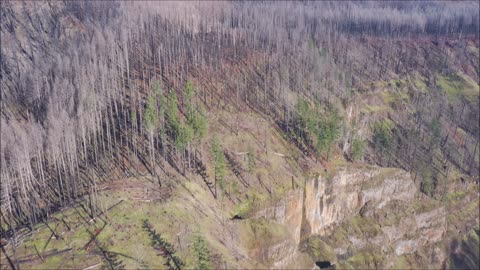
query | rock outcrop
(370,217)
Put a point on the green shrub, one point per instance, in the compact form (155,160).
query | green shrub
(319,250)
(358,146)
(383,136)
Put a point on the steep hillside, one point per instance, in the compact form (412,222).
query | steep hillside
(360,217)
(262,134)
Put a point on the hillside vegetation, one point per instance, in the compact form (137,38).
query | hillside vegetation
(245,99)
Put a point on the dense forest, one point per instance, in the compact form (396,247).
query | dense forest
(87,88)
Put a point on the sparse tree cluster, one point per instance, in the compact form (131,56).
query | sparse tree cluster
(318,129)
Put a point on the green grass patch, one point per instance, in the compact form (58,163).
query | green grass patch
(423,206)
(366,260)
(264,233)
(401,262)
(365,226)
(455,196)
(394,97)
(339,236)
(371,109)
(243,209)
(397,83)
(419,83)
(53,262)
(319,250)
(458,86)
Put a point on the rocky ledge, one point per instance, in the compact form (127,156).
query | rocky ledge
(367,217)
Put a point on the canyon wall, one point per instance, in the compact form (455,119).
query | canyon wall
(368,217)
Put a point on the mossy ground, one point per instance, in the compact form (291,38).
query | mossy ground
(319,250)
(458,86)
(372,109)
(418,82)
(368,259)
(262,233)
(404,262)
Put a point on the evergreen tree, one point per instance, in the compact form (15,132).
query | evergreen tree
(189,102)
(327,133)
(111,261)
(160,243)
(161,118)
(173,114)
(325,129)
(150,116)
(250,160)
(305,119)
(200,123)
(196,118)
(151,125)
(219,163)
(202,253)
(161,110)
(184,137)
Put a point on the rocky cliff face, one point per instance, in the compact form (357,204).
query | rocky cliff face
(362,217)
(327,202)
